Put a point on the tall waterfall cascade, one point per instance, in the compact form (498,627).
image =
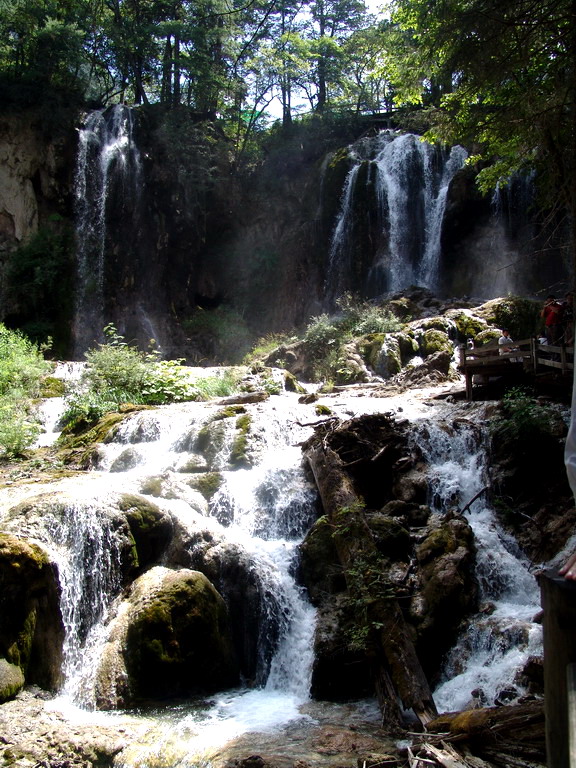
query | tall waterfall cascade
(108,157)
(407,182)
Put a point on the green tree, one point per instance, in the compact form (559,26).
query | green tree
(501,75)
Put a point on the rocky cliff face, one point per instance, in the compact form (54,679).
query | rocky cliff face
(205,257)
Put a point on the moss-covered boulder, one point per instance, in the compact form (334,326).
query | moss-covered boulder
(392,539)
(11,680)
(434,341)
(151,528)
(448,590)
(207,483)
(468,324)
(389,360)
(319,567)
(31,628)
(520,315)
(171,638)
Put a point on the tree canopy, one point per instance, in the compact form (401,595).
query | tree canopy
(496,75)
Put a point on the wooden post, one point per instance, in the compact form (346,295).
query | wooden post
(558,597)
(534,351)
(571,688)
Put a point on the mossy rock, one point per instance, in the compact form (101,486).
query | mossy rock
(31,628)
(50,386)
(291,384)
(403,308)
(178,641)
(11,680)
(444,324)
(369,347)
(435,341)
(211,439)
(444,538)
(230,412)
(486,337)
(208,483)
(468,326)
(389,360)
(520,315)
(239,450)
(391,537)
(319,568)
(409,347)
(151,528)
(82,435)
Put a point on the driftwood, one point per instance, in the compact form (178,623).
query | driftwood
(397,670)
(496,737)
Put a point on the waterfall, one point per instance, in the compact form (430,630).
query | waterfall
(489,654)
(107,156)
(410,180)
(263,510)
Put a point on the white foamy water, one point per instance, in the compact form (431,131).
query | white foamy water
(489,654)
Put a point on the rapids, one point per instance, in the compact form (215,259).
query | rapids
(266,509)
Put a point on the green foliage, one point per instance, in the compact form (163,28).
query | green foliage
(21,370)
(325,336)
(118,373)
(18,428)
(21,365)
(39,278)
(524,420)
(222,334)
(476,61)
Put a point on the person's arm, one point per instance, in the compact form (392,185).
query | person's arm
(568,570)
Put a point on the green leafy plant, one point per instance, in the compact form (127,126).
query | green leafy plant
(523,418)
(22,368)
(117,373)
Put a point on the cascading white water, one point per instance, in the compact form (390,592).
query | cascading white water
(411,179)
(105,147)
(265,510)
(488,656)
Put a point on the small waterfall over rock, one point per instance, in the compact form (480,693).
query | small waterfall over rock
(108,170)
(395,192)
(485,666)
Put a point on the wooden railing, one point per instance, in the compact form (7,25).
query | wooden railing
(491,360)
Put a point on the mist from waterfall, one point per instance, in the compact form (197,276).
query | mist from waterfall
(107,156)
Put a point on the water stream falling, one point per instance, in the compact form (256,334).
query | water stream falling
(485,663)
(107,154)
(410,179)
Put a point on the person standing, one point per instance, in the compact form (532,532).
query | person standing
(552,315)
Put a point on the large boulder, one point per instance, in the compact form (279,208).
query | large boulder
(31,629)
(170,638)
(11,680)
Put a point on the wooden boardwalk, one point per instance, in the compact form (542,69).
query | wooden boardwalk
(525,357)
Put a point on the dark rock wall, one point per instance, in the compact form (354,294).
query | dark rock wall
(207,257)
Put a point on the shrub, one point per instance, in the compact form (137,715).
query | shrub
(117,373)
(523,418)
(21,370)
(21,364)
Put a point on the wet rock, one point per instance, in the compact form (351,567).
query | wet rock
(341,670)
(169,638)
(31,629)
(319,568)
(11,680)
